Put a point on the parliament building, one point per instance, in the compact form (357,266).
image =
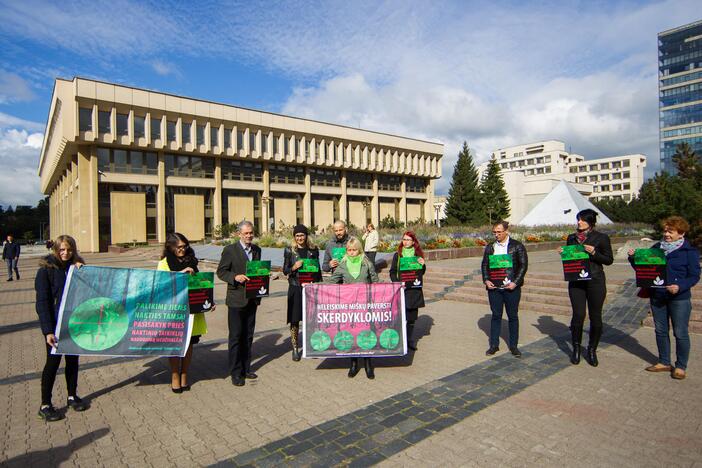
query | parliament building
(124,165)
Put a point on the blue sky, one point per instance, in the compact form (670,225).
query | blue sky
(491,73)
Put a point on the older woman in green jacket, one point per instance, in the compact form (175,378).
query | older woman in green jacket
(355,268)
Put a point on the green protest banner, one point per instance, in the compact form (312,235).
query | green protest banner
(259,274)
(309,265)
(338,253)
(124,312)
(650,268)
(310,272)
(201,292)
(576,263)
(410,272)
(500,269)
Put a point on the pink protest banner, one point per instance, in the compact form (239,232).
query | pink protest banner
(347,320)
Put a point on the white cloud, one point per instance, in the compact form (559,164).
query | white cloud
(164,68)
(13,88)
(19,153)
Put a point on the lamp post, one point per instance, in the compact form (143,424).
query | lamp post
(437,210)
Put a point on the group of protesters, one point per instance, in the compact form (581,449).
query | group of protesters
(357,265)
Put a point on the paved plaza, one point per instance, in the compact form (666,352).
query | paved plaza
(445,405)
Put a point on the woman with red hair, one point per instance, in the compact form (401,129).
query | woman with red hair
(414,297)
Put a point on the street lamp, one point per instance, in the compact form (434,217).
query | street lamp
(437,210)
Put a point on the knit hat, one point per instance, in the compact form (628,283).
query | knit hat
(300,228)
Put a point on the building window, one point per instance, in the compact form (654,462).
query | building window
(252,141)
(171,130)
(155,129)
(127,162)
(359,180)
(626,174)
(189,166)
(415,184)
(286,146)
(604,176)
(240,140)
(626,163)
(325,177)
(185,134)
(583,169)
(604,188)
(286,174)
(548,169)
(604,166)
(539,160)
(122,124)
(307,148)
(275,144)
(617,187)
(242,170)
(593,167)
(626,186)
(389,183)
(200,134)
(214,136)
(227,137)
(616,175)
(627,197)
(547,159)
(85,119)
(104,124)
(298,145)
(264,143)
(573,170)
(616,164)
(593,178)
(139,129)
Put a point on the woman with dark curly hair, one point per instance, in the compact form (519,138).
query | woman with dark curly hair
(179,256)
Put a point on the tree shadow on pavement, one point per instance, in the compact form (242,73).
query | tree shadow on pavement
(557,331)
(56,455)
(422,328)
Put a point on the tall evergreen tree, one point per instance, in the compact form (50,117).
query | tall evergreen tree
(493,189)
(687,162)
(464,204)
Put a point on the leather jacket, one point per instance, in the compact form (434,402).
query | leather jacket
(520,260)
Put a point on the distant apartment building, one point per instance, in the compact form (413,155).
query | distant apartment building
(532,170)
(680,90)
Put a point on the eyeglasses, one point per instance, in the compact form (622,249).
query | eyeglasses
(181,247)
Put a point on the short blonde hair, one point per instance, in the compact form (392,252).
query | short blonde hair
(354,243)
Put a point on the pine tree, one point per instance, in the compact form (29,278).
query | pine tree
(494,193)
(464,204)
(687,162)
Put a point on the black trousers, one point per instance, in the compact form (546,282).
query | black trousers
(588,295)
(48,376)
(242,322)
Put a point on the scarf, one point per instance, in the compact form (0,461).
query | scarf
(671,246)
(581,235)
(175,263)
(408,251)
(353,265)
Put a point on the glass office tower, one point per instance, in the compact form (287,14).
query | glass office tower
(680,90)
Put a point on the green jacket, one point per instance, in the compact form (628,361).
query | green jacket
(341,274)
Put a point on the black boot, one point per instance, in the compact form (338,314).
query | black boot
(353,370)
(369,369)
(576,337)
(411,344)
(591,356)
(293,338)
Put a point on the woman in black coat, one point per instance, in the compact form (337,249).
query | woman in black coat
(49,284)
(414,297)
(589,294)
(292,262)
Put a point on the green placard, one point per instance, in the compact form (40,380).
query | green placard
(202,280)
(258,268)
(410,263)
(500,261)
(309,265)
(649,257)
(338,253)
(574,252)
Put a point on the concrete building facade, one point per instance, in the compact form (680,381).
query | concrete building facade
(531,171)
(123,165)
(680,90)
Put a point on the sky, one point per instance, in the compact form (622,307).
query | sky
(491,73)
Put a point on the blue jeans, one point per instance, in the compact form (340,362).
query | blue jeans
(677,312)
(12,265)
(509,300)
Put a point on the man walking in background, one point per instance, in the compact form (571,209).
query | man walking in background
(11,253)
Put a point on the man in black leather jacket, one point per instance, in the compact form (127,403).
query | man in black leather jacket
(504,285)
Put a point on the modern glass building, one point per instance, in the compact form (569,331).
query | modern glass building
(680,90)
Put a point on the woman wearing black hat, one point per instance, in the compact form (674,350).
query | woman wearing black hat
(292,263)
(589,294)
